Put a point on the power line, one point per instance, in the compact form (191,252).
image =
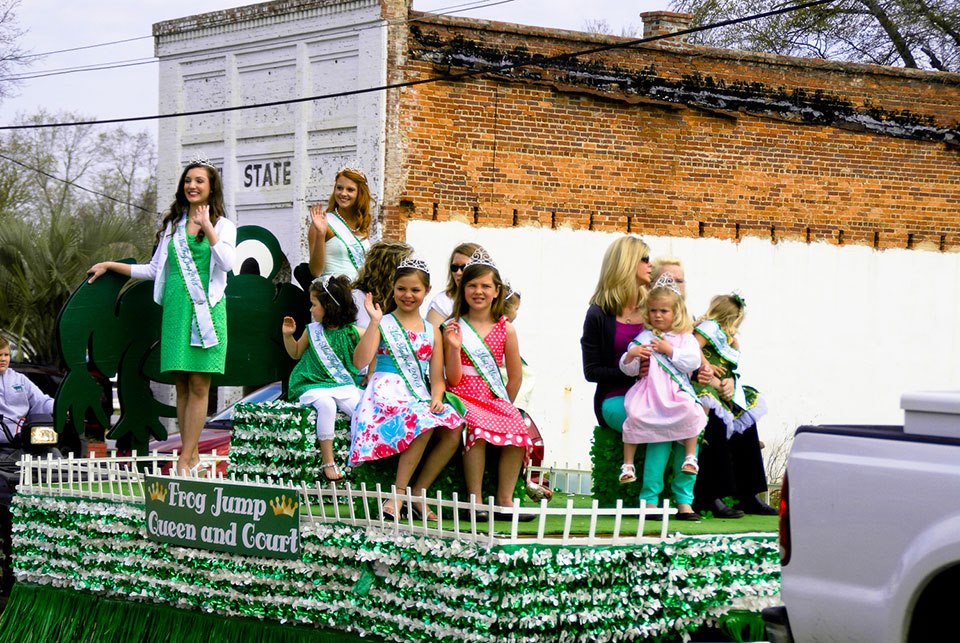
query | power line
(72,184)
(94,46)
(119,64)
(432,79)
(92,67)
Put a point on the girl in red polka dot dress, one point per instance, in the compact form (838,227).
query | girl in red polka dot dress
(478,339)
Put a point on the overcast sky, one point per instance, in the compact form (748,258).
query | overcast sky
(54,25)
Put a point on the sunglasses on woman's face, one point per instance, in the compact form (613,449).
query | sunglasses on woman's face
(457,267)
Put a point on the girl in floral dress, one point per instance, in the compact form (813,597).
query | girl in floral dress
(477,340)
(404,398)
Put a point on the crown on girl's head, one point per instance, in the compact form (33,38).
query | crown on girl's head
(510,291)
(347,168)
(668,282)
(323,281)
(200,159)
(481,258)
(416,264)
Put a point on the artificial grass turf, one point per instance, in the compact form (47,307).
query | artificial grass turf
(580,525)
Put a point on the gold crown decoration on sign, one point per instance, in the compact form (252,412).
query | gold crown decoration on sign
(157,491)
(284,506)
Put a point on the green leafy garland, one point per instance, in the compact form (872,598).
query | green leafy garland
(397,586)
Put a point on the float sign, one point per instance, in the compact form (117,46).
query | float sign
(247,519)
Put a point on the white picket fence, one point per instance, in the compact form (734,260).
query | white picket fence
(122,479)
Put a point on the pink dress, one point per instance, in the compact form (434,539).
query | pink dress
(489,418)
(657,409)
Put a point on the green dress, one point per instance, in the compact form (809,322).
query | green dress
(176,353)
(309,373)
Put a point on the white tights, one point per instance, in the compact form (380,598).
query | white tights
(327,401)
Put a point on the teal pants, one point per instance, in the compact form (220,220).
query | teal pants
(655,469)
(658,455)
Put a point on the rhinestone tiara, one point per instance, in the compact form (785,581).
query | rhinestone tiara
(347,168)
(416,264)
(481,258)
(668,282)
(323,280)
(200,159)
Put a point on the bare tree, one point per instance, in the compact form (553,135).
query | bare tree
(11,55)
(600,25)
(909,33)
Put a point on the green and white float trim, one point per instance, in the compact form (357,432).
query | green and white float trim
(376,583)
(278,440)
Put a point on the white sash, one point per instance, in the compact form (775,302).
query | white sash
(714,334)
(401,350)
(646,337)
(328,359)
(718,339)
(343,232)
(483,360)
(202,332)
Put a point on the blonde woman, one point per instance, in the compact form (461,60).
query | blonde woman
(614,318)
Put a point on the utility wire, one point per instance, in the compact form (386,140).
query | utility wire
(99,44)
(91,67)
(27,75)
(432,79)
(72,184)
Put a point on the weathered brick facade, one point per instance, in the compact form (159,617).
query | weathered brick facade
(666,139)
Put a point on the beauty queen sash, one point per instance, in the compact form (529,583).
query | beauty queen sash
(712,332)
(483,360)
(401,350)
(683,381)
(343,232)
(202,332)
(328,359)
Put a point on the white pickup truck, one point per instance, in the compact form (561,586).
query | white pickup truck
(870,530)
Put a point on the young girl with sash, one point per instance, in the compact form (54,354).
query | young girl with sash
(478,339)
(338,235)
(405,396)
(663,407)
(325,376)
(716,333)
(195,252)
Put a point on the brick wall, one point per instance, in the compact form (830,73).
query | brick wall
(667,140)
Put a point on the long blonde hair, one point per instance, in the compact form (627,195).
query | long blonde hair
(728,311)
(617,287)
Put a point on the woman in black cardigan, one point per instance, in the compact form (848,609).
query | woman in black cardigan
(613,319)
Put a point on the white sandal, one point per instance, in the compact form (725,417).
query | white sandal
(690,465)
(628,474)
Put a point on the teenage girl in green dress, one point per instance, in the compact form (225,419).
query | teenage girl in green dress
(195,251)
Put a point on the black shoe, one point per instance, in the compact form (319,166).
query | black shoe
(688,515)
(720,510)
(753,505)
(505,515)
(481,515)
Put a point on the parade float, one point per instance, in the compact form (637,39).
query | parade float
(112,548)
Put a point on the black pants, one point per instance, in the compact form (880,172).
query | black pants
(728,467)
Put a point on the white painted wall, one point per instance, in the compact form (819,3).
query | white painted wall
(832,334)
